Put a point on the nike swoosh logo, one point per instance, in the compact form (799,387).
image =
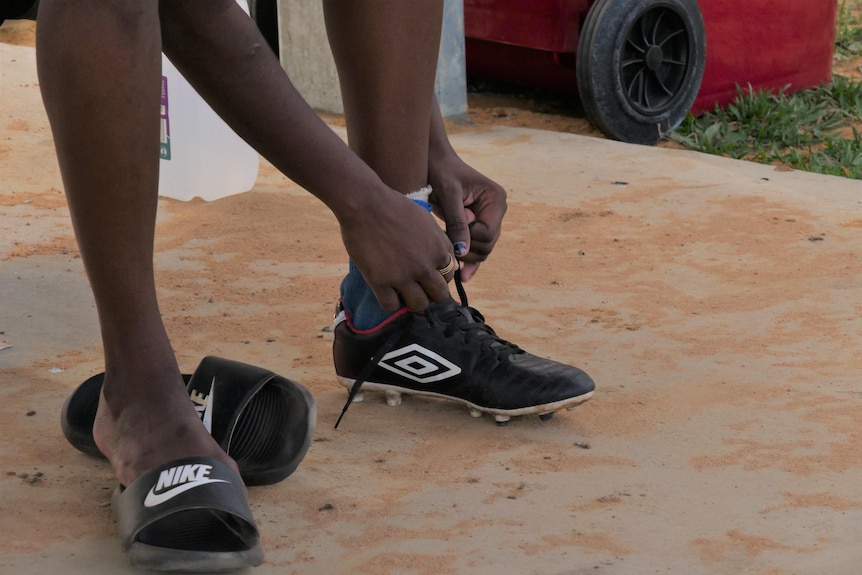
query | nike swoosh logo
(207,417)
(154,499)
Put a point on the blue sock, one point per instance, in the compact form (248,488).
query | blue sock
(357,296)
(359,300)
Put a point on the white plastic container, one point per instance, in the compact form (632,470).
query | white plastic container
(200,155)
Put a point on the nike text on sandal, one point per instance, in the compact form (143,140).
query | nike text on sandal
(265,422)
(188,515)
(449,352)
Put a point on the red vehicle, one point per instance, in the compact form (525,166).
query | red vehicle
(639,66)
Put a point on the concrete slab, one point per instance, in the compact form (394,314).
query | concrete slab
(715,302)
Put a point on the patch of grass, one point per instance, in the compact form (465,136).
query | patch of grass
(844,95)
(848,33)
(813,130)
(807,130)
(835,157)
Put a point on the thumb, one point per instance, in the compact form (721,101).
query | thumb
(458,220)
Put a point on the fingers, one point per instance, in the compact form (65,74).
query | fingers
(412,295)
(437,287)
(448,271)
(483,241)
(387,297)
(418,292)
(481,212)
(434,287)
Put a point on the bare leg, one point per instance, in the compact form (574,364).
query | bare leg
(99,67)
(386,55)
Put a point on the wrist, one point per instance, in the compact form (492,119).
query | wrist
(358,205)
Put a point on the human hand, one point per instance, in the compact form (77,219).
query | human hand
(472,206)
(399,249)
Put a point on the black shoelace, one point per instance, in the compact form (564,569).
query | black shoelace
(455,320)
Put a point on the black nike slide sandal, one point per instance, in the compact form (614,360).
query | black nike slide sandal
(265,422)
(188,515)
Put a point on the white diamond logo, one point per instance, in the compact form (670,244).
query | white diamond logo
(419,364)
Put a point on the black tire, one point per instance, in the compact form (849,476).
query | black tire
(265,15)
(18,9)
(639,66)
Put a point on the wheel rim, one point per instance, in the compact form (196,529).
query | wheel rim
(655,60)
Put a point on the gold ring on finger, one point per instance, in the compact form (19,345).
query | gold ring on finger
(444,271)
